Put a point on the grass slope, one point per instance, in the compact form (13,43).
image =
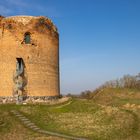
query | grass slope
(112,114)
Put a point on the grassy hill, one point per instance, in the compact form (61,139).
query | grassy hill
(116,96)
(110,114)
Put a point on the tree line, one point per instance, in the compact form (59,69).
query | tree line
(127,81)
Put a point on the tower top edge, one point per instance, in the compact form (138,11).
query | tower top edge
(25,19)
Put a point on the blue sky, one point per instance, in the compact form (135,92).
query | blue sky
(99,39)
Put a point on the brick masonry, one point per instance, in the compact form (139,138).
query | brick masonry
(41,56)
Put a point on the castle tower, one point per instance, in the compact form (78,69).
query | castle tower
(29,56)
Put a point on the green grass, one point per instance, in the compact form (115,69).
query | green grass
(13,129)
(84,118)
(103,118)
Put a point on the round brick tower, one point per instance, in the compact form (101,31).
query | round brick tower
(29,56)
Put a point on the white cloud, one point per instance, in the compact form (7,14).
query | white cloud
(4,10)
(12,7)
(26,7)
(19,3)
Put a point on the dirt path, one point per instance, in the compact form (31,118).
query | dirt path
(64,104)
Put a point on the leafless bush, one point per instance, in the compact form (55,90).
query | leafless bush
(128,81)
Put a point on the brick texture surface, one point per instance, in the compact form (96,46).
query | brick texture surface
(41,56)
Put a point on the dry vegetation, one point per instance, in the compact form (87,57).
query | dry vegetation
(85,118)
(109,113)
(12,129)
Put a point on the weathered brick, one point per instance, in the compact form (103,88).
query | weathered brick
(41,56)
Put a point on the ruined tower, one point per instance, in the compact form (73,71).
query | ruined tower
(29,56)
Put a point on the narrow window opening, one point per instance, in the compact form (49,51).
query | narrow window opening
(19,66)
(20,81)
(27,38)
